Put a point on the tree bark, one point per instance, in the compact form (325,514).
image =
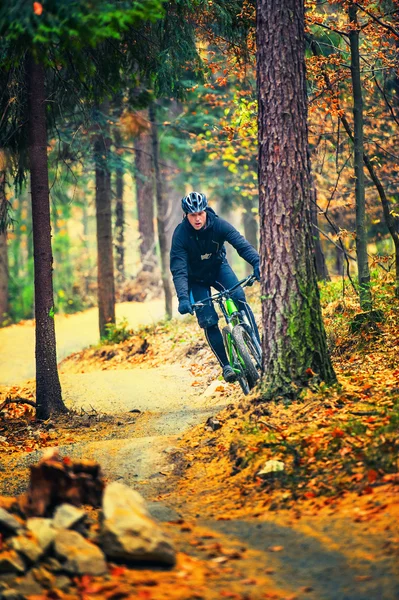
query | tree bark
(3,252)
(361,233)
(250,228)
(48,388)
(162,213)
(295,345)
(145,198)
(105,261)
(120,216)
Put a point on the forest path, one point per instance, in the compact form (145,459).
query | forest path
(73,333)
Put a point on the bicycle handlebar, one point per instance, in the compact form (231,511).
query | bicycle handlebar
(244,282)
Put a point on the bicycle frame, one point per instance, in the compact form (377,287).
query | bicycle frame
(231,314)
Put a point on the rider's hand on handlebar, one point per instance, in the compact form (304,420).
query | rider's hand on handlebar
(257,273)
(185,307)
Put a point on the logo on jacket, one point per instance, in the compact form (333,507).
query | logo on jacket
(206,256)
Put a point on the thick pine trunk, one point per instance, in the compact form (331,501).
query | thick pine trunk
(162,214)
(119,217)
(145,198)
(250,228)
(105,260)
(48,388)
(3,277)
(3,251)
(295,341)
(361,233)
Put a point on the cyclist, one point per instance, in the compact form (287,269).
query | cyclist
(198,261)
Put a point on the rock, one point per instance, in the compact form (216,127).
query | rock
(10,562)
(27,547)
(43,531)
(53,565)
(270,468)
(11,594)
(77,555)
(213,423)
(28,586)
(66,516)
(62,583)
(128,532)
(9,525)
(162,513)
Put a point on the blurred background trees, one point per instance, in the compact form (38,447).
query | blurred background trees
(198,67)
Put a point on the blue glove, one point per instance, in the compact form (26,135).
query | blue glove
(257,273)
(185,307)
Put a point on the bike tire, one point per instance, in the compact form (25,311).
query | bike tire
(241,377)
(253,346)
(238,335)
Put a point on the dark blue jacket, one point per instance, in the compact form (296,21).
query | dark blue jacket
(196,256)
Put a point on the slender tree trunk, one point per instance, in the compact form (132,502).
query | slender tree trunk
(321,267)
(120,217)
(3,251)
(48,388)
(295,344)
(161,216)
(105,261)
(361,233)
(145,199)
(391,221)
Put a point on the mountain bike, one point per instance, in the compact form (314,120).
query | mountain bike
(242,346)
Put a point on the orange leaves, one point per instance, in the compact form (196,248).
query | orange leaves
(337,433)
(372,475)
(37,8)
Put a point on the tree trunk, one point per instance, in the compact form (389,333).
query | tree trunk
(250,228)
(162,210)
(105,261)
(3,252)
(120,217)
(48,388)
(145,199)
(321,267)
(361,233)
(295,344)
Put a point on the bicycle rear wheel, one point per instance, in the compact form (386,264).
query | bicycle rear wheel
(243,343)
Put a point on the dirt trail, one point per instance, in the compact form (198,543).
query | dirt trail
(74,332)
(164,396)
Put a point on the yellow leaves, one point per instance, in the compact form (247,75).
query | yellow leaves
(134,123)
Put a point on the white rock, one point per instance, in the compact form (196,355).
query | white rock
(78,556)
(270,466)
(29,548)
(66,516)
(128,532)
(8,522)
(43,531)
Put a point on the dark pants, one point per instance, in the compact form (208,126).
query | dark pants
(207,316)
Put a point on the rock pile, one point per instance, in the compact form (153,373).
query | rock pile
(48,540)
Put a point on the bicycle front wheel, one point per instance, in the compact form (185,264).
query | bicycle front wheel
(241,338)
(234,359)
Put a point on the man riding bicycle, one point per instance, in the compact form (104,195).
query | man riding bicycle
(198,261)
